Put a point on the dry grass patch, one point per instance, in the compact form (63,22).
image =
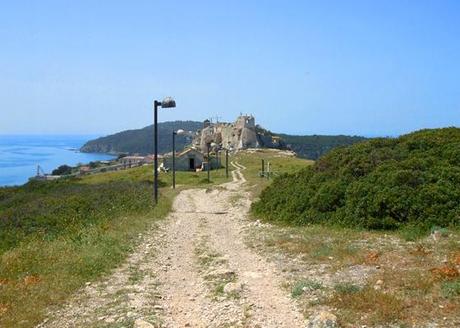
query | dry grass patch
(390,280)
(317,244)
(445,272)
(366,305)
(3,308)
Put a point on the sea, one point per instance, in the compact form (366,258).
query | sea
(20,155)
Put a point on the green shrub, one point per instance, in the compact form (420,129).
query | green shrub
(62,170)
(382,183)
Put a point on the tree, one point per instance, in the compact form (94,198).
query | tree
(93,165)
(62,170)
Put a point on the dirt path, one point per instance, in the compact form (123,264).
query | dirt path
(192,271)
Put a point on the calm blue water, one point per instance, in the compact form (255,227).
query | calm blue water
(20,155)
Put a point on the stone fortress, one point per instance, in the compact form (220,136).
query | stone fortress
(242,134)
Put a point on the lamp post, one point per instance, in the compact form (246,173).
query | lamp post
(175,133)
(209,164)
(166,103)
(174,159)
(226,163)
(218,158)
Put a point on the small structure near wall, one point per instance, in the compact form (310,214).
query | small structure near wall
(188,160)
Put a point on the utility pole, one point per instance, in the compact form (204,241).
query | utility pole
(209,164)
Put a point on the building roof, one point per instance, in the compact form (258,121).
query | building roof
(188,150)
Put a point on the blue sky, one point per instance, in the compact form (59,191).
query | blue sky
(304,67)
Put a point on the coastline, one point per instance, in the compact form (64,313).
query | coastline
(20,155)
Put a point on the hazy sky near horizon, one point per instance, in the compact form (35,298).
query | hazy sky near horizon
(304,67)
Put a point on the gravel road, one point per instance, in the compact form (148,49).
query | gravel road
(191,270)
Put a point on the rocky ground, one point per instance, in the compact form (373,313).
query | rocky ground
(193,270)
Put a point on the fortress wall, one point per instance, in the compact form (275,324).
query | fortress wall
(239,135)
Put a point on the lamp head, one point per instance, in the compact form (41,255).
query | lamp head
(168,102)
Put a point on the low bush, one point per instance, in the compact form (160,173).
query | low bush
(383,183)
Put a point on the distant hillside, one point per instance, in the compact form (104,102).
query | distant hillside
(141,140)
(312,147)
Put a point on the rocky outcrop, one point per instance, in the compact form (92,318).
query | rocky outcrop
(242,134)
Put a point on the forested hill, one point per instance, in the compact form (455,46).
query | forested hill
(313,146)
(140,141)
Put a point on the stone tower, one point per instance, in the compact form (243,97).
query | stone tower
(239,135)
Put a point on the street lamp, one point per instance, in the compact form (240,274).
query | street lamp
(166,103)
(209,163)
(226,159)
(213,146)
(226,163)
(180,131)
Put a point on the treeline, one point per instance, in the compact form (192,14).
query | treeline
(314,146)
(381,183)
(140,141)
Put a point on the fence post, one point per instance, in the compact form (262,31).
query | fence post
(263,168)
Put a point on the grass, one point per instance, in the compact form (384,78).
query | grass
(366,305)
(316,244)
(145,174)
(416,285)
(278,165)
(56,236)
(450,289)
(41,272)
(303,285)
(347,288)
